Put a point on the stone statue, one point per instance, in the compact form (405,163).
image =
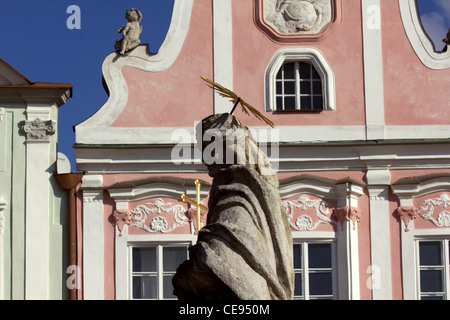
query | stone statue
(298,16)
(446,40)
(130,32)
(245,250)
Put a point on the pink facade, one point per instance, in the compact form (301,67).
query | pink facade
(366,175)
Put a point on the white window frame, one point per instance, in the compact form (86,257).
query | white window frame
(297,95)
(124,245)
(305,264)
(159,270)
(445,267)
(300,54)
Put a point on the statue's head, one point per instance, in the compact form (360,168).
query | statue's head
(131,15)
(225,142)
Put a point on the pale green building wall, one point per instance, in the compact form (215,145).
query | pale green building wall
(13,188)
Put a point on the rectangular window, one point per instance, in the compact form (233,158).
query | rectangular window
(434,269)
(153,268)
(313,267)
(298,87)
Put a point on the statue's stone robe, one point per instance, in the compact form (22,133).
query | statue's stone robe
(245,250)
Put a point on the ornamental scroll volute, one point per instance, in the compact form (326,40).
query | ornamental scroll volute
(153,216)
(309,213)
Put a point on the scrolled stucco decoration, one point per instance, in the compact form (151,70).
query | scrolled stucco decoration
(38,130)
(431,207)
(298,16)
(141,216)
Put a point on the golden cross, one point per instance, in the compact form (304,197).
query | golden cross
(196,203)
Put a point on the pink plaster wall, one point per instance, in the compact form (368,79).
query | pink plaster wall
(414,94)
(177,96)
(341,45)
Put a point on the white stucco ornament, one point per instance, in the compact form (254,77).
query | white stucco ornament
(298,16)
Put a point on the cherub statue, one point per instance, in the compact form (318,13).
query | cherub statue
(446,40)
(130,32)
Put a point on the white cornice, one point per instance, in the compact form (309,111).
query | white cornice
(291,157)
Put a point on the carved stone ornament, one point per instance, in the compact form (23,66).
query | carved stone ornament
(298,16)
(38,130)
(407,213)
(431,207)
(348,213)
(304,222)
(122,218)
(141,216)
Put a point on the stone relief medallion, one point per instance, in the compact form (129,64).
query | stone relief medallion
(296,17)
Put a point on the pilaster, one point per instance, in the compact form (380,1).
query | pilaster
(378,181)
(373,69)
(93,270)
(348,214)
(223,51)
(37,129)
(2,209)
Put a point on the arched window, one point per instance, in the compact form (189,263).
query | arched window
(298,87)
(299,79)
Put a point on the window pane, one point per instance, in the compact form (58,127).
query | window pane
(280,74)
(317,87)
(168,287)
(289,103)
(297,256)
(173,257)
(289,70)
(279,103)
(432,298)
(279,87)
(305,87)
(289,87)
(305,103)
(430,253)
(317,103)
(144,259)
(431,281)
(305,70)
(320,284)
(315,75)
(298,285)
(145,287)
(319,255)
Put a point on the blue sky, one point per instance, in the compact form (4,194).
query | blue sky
(36,41)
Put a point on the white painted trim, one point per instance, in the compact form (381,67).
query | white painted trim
(113,64)
(37,210)
(378,181)
(223,51)
(168,135)
(380,242)
(122,257)
(290,157)
(418,132)
(307,54)
(419,40)
(2,226)
(121,264)
(93,265)
(373,68)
